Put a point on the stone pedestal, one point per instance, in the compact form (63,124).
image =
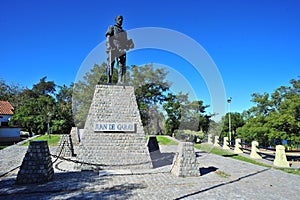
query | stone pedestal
(280,157)
(113,136)
(37,165)
(186,164)
(65,146)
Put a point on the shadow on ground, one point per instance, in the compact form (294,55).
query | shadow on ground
(161,159)
(200,153)
(231,155)
(222,184)
(207,170)
(75,185)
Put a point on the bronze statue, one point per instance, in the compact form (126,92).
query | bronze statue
(116,46)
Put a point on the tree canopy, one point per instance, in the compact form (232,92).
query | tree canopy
(236,121)
(275,117)
(160,109)
(40,106)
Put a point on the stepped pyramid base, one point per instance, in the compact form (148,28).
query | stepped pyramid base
(65,146)
(37,166)
(109,148)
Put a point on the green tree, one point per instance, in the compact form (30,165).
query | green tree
(153,98)
(254,129)
(148,82)
(215,128)
(38,107)
(150,89)
(44,87)
(236,121)
(10,92)
(185,115)
(275,117)
(63,121)
(83,92)
(284,121)
(173,109)
(194,117)
(34,114)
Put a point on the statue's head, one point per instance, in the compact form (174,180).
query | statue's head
(119,20)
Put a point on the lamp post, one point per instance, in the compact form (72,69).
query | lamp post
(229,119)
(48,124)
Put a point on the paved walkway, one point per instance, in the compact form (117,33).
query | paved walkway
(221,178)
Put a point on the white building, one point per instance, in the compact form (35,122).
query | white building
(7,133)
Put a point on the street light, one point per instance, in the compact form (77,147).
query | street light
(229,101)
(48,123)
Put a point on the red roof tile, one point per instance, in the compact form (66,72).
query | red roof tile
(6,108)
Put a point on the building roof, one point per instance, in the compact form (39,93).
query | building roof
(6,108)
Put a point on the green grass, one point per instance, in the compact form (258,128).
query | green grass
(3,146)
(221,152)
(162,140)
(52,140)
(222,174)
(291,171)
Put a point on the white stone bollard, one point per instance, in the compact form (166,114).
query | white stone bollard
(238,146)
(216,143)
(225,143)
(209,139)
(254,150)
(280,157)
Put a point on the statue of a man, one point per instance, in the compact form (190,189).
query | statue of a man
(116,46)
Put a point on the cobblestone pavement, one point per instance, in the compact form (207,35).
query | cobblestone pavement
(11,157)
(221,178)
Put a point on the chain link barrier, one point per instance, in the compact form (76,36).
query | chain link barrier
(58,156)
(61,150)
(166,158)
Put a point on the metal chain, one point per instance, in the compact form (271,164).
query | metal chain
(97,164)
(59,152)
(2,175)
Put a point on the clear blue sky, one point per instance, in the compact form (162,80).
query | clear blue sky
(254,43)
